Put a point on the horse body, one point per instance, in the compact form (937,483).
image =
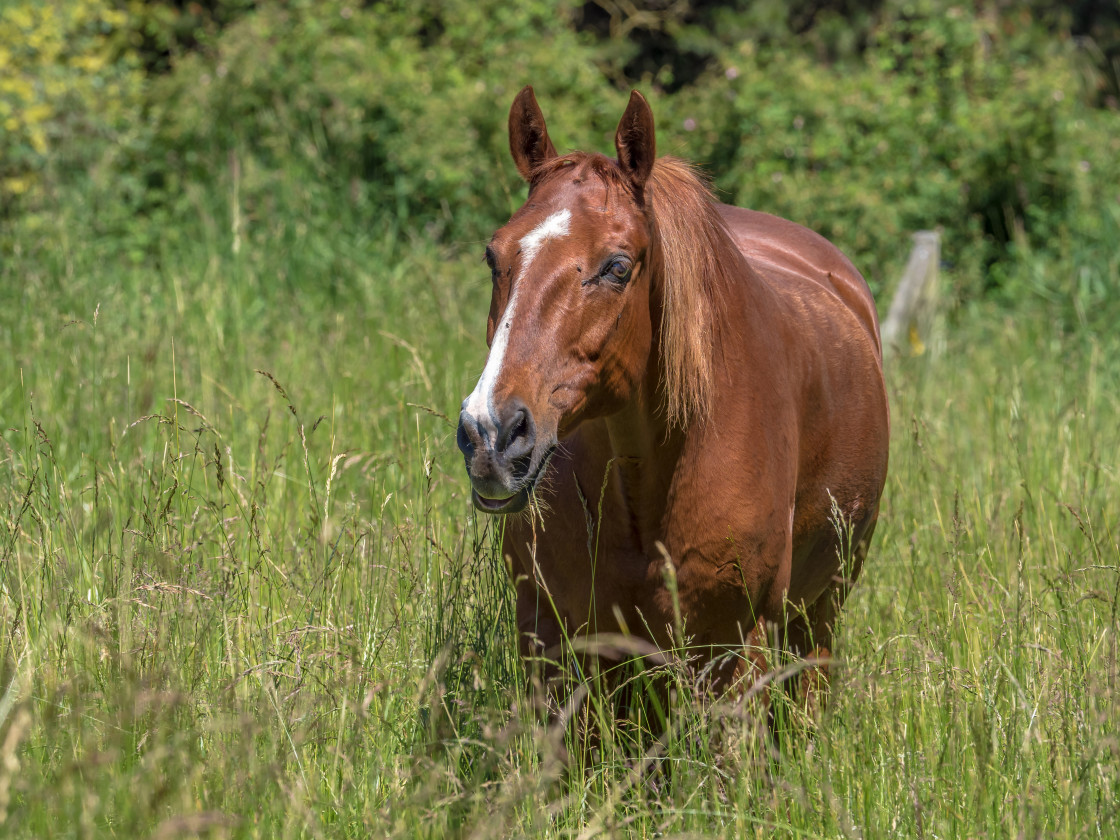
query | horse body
(690,429)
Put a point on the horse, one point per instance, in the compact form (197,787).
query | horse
(685,402)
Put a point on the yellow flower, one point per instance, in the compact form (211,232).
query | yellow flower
(90,62)
(114,17)
(18,87)
(17,185)
(37,114)
(38,139)
(20,17)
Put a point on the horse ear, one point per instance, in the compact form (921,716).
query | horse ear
(528,137)
(634,140)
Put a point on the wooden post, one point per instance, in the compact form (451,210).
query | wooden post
(910,318)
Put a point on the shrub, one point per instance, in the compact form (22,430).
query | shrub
(864,120)
(403,106)
(949,119)
(70,89)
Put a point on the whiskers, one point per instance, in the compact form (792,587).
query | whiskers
(542,488)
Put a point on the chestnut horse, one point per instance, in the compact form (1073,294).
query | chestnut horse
(689,399)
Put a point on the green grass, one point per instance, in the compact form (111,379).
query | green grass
(243,593)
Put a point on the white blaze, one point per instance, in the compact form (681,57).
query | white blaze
(480,403)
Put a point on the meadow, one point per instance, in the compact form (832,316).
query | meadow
(243,592)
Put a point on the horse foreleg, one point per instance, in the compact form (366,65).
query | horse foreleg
(540,638)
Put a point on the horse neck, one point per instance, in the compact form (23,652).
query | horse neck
(651,453)
(646,448)
(646,462)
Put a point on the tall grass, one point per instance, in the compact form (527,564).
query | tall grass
(243,593)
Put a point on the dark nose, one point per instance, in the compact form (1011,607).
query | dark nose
(508,442)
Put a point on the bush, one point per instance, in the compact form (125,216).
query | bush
(402,107)
(70,92)
(953,121)
(865,121)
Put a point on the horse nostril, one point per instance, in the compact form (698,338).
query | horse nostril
(520,429)
(517,435)
(463,438)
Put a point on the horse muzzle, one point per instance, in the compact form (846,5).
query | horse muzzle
(501,457)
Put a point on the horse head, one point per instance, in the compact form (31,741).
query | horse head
(570,328)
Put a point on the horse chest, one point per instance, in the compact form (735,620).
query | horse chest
(609,564)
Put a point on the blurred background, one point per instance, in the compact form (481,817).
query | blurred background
(863,119)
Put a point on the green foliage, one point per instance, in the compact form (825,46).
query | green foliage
(924,114)
(397,107)
(70,91)
(955,121)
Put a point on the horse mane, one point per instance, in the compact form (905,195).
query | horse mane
(690,253)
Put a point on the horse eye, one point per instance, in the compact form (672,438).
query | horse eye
(492,262)
(618,270)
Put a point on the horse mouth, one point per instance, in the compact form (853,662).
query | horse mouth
(519,499)
(512,504)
